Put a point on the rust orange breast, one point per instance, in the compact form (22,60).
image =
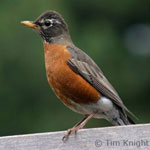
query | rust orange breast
(67,84)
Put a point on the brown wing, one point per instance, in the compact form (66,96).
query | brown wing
(83,65)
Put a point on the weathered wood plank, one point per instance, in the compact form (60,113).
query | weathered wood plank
(109,138)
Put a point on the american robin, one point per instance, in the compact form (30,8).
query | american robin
(75,78)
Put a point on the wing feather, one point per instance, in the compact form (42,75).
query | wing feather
(83,65)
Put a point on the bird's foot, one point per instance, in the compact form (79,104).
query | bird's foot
(71,131)
(78,126)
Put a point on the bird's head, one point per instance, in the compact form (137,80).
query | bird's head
(50,25)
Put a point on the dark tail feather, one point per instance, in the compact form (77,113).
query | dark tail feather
(118,117)
(123,119)
(130,120)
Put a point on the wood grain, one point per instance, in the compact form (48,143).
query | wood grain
(109,138)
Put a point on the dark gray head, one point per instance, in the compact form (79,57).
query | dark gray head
(50,25)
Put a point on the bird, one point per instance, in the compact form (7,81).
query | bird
(74,77)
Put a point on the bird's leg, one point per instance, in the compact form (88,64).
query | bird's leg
(78,126)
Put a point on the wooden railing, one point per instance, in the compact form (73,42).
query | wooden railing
(132,137)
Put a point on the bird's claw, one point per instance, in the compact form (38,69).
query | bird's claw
(70,131)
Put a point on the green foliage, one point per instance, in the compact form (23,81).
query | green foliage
(99,27)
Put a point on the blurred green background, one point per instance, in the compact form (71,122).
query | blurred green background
(116,34)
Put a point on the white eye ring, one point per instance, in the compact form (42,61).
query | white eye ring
(48,22)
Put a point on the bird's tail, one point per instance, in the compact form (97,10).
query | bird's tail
(123,119)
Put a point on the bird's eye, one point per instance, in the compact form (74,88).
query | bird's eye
(48,23)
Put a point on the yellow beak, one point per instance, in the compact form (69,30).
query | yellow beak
(30,24)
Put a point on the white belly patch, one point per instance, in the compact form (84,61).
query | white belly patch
(103,105)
